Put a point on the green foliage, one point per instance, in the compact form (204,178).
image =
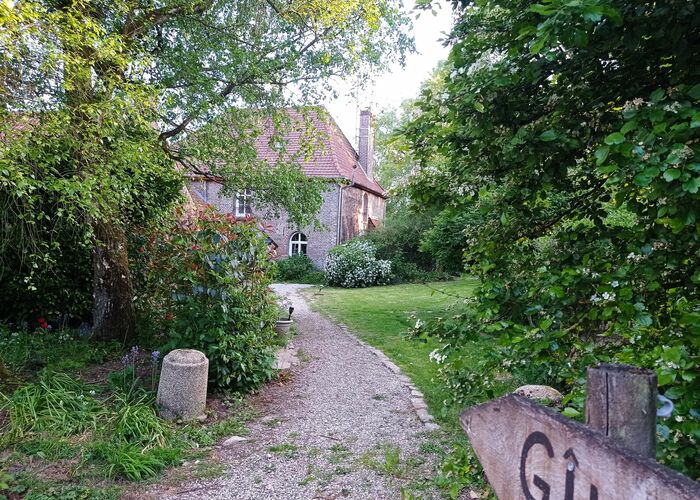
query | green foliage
(59,286)
(570,137)
(124,380)
(355,265)
(30,488)
(101,115)
(296,269)
(445,241)
(62,349)
(126,434)
(459,469)
(55,403)
(205,284)
(398,239)
(134,422)
(133,462)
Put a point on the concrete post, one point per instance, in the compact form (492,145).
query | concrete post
(182,390)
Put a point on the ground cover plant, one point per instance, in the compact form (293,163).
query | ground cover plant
(386,317)
(82,431)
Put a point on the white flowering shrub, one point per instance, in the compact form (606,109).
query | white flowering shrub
(355,265)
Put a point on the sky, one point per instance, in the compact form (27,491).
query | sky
(399,83)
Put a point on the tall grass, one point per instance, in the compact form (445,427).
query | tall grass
(125,431)
(55,403)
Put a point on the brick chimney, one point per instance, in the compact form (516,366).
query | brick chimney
(366,143)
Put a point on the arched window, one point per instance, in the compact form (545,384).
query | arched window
(298,244)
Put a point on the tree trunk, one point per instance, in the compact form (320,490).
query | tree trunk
(113,292)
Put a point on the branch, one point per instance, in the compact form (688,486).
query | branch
(230,87)
(574,206)
(135,27)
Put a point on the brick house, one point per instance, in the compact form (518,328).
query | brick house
(353,203)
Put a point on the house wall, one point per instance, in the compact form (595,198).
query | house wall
(320,241)
(352,221)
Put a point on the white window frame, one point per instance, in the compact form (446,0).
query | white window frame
(301,242)
(242,203)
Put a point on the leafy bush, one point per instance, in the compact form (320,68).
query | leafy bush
(581,215)
(57,283)
(354,265)
(314,278)
(205,284)
(401,241)
(293,269)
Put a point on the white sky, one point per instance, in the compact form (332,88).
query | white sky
(398,84)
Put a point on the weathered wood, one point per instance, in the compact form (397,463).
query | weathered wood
(621,404)
(529,451)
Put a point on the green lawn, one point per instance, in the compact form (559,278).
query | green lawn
(381,316)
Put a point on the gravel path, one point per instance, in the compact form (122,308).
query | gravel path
(333,429)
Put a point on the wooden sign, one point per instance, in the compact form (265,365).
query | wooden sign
(529,451)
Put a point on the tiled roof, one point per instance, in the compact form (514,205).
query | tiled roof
(333,156)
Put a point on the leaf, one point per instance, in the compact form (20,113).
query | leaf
(615,138)
(695,121)
(478,106)
(536,47)
(593,13)
(548,135)
(541,9)
(657,95)
(601,155)
(571,412)
(630,125)
(672,174)
(692,185)
(694,91)
(645,319)
(647,175)
(664,378)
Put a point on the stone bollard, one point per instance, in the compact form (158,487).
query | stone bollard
(182,390)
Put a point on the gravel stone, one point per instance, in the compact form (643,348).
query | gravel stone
(233,440)
(540,393)
(424,415)
(418,403)
(391,366)
(328,422)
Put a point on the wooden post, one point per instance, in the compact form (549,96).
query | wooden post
(621,404)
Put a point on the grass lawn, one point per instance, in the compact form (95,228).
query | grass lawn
(381,316)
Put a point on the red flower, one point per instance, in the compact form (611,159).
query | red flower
(40,320)
(44,325)
(195,247)
(169,316)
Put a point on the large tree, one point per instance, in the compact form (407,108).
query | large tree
(571,136)
(99,101)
